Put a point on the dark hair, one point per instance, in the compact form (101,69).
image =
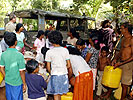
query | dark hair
(80,42)
(105,48)
(74,33)
(10,38)
(46,32)
(96,44)
(55,37)
(129,26)
(104,23)
(31,65)
(73,50)
(11,16)
(18,26)
(40,32)
(44,50)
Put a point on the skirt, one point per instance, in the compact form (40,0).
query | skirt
(83,87)
(58,84)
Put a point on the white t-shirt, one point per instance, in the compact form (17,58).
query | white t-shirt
(72,41)
(20,38)
(57,56)
(39,44)
(79,65)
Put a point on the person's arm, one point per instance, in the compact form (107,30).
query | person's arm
(88,56)
(27,44)
(98,64)
(48,66)
(69,68)
(129,60)
(22,74)
(2,70)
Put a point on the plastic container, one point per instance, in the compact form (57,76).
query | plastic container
(68,96)
(1,77)
(118,93)
(111,77)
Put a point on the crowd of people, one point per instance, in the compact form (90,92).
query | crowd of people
(75,65)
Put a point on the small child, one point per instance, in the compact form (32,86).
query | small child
(58,61)
(83,86)
(35,83)
(103,62)
(12,66)
(38,44)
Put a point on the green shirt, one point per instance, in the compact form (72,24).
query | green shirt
(13,61)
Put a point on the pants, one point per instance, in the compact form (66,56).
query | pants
(100,87)
(94,71)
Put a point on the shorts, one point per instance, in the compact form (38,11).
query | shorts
(14,92)
(58,84)
(127,72)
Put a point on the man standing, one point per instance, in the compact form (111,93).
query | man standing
(124,59)
(10,26)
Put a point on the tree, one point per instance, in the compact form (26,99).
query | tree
(122,10)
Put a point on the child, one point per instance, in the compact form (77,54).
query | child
(38,44)
(35,83)
(83,87)
(72,37)
(103,61)
(58,61)
(12,66)
(21,38)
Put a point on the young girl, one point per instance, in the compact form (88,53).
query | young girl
(38,44)
(58,61)
(83,87)
(20,38)
(72,39)
(35,83)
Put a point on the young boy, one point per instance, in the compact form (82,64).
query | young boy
(35,83)
(103,61)
(12,66)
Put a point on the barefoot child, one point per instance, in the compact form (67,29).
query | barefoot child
(103,61)
(35,83)
(58,61)
(12,66)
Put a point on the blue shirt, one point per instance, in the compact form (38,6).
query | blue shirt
(35,84)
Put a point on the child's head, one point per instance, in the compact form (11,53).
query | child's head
(32,66)
(10,38)
(40,34)
(46,33)
(80,44)
(104,51)
(19,27)
(55,37)
(73,50)
(72,32)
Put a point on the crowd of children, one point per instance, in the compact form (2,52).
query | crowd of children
(77,64)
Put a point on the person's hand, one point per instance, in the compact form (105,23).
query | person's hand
(113,62)
(117,65)
(24,87)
